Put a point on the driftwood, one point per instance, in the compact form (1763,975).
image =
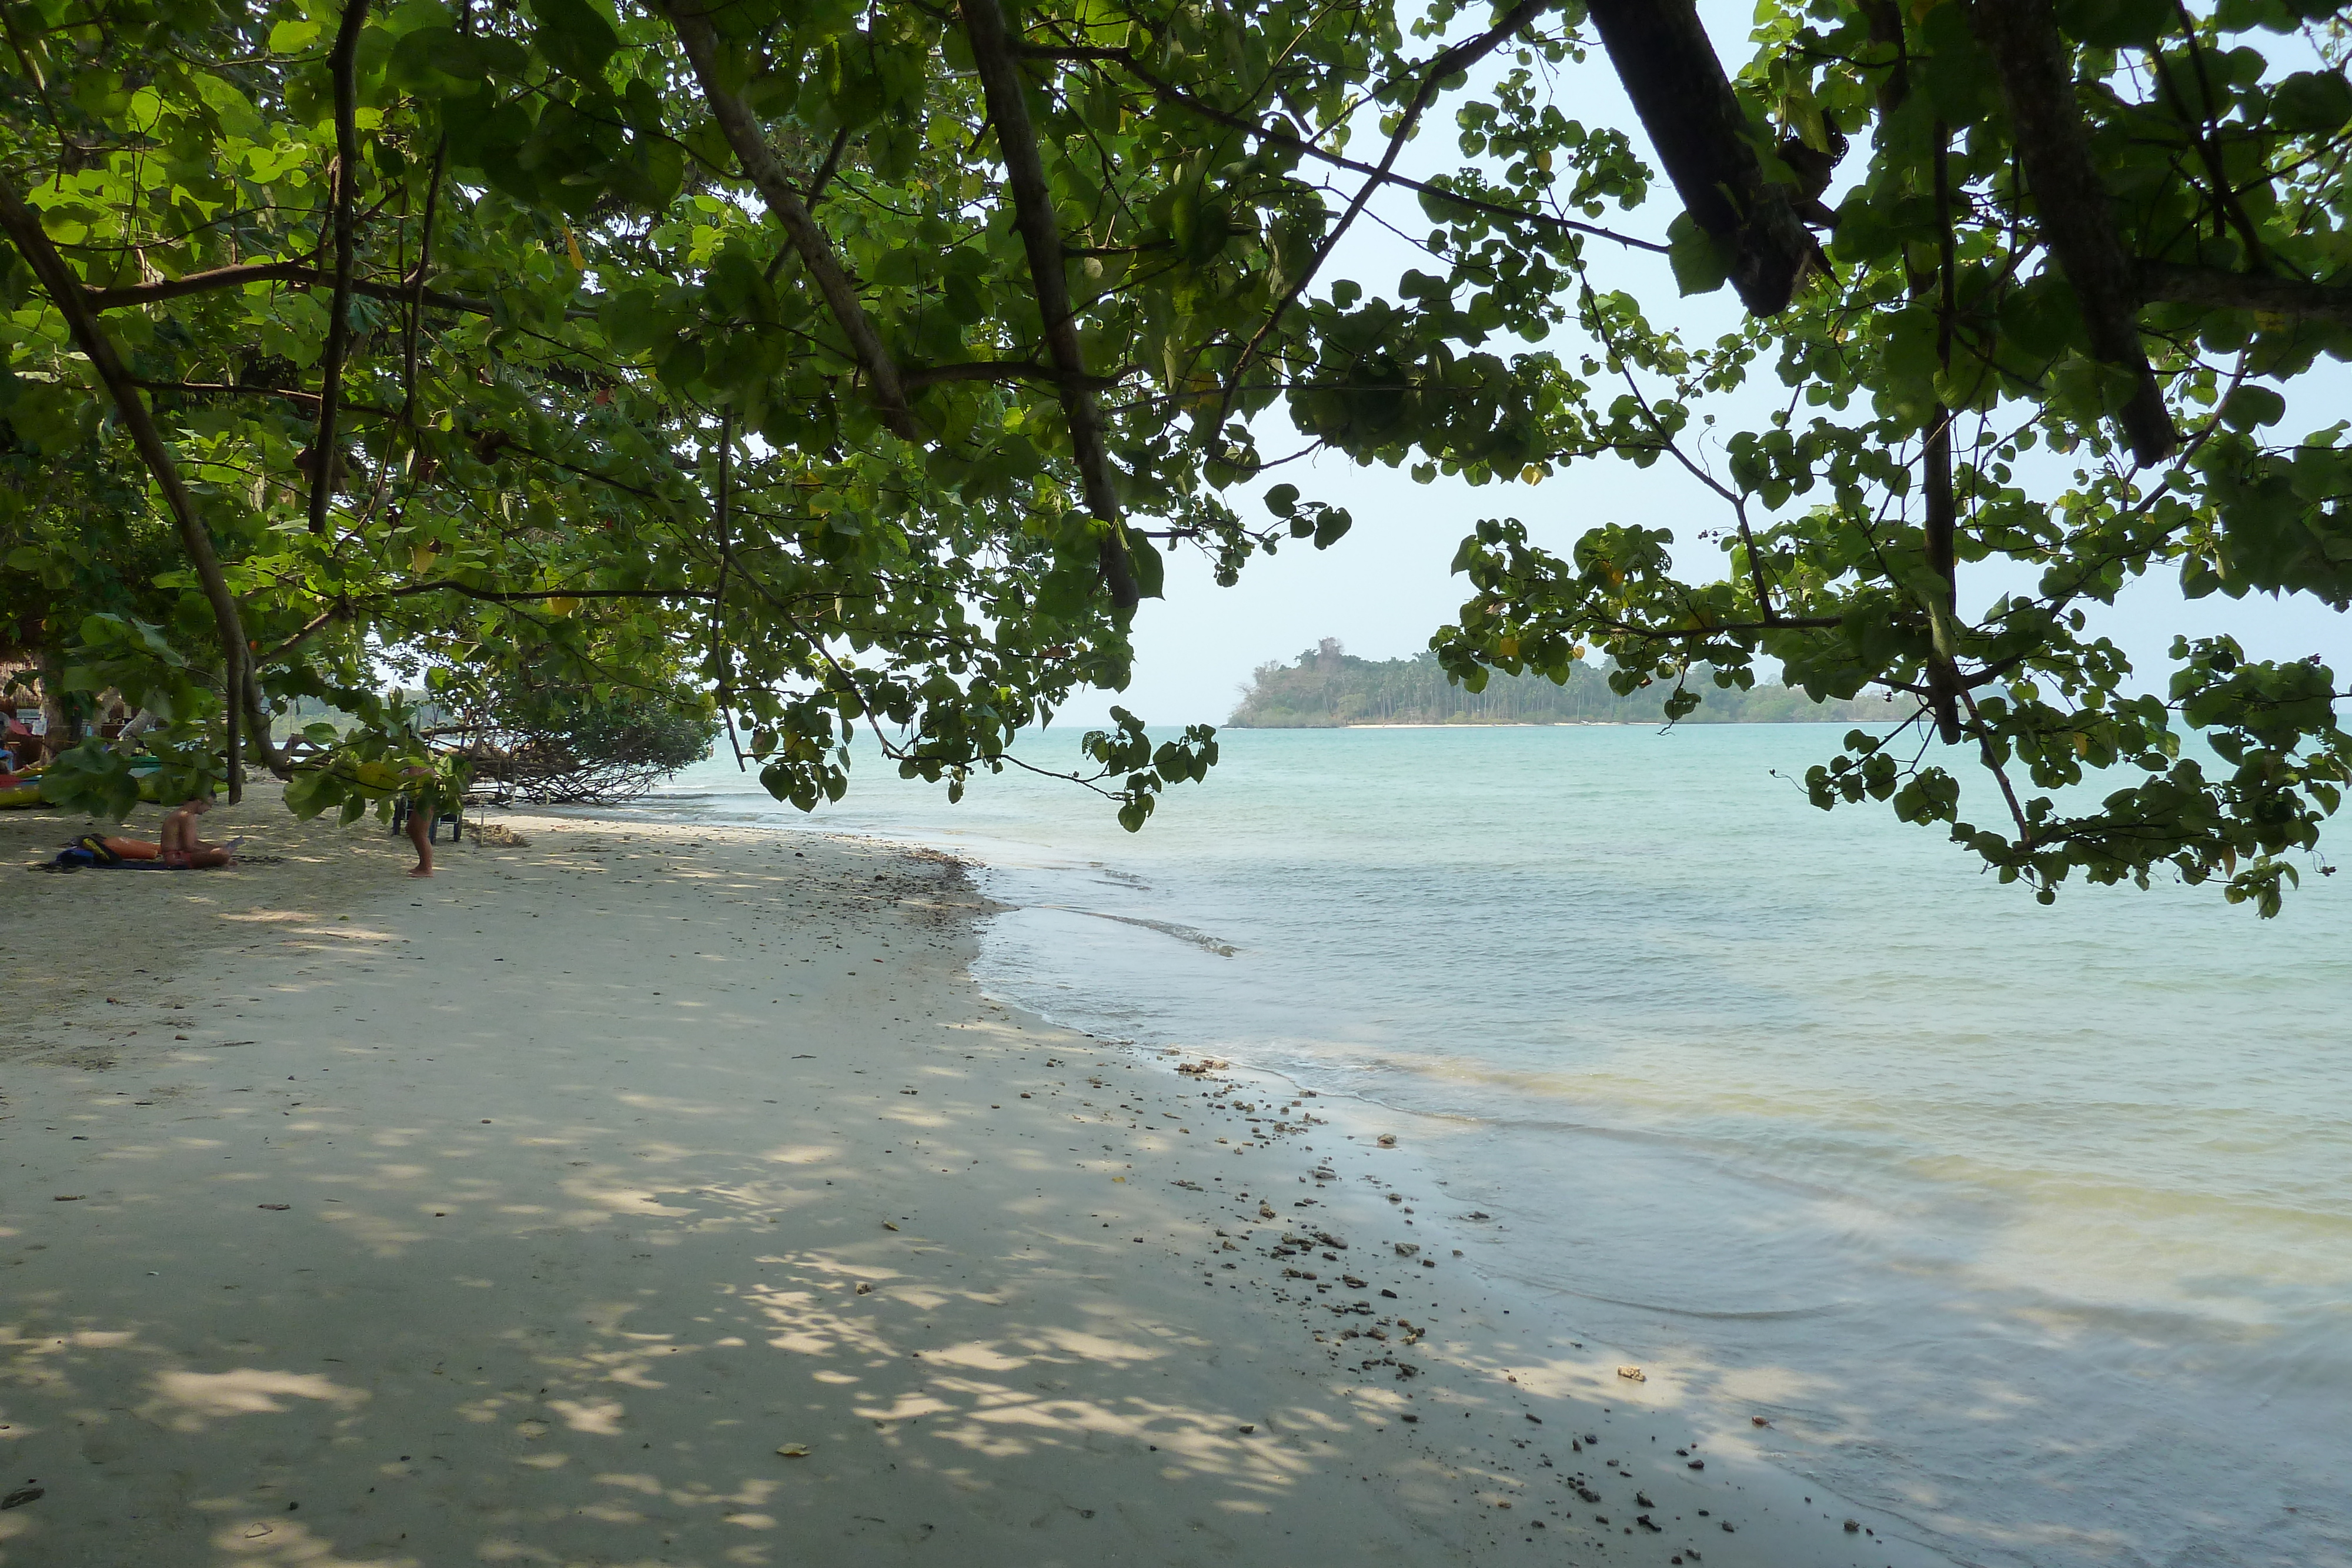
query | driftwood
(543,771)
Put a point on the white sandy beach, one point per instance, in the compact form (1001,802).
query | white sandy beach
(652,1195)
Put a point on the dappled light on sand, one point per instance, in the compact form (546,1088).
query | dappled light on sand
(191,1400)
(507,1258)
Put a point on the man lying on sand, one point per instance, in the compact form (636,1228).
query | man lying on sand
(180,849)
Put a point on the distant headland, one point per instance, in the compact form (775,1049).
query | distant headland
(1327,687)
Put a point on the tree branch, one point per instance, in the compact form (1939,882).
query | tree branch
(1992,764)
(721,667)
(2208,147)
(1938,507)
(339,611)
(509,444)
(1170,92)
(536,595)
(2222,289)
(817,183)
(342,63)
(1041,234)
(922,376)
(767,175)
(66,292)
(280,763)
(412,327)
(302,275)
(234,389)
(235,277)
(1685,634)
(1461,56)
(2070,203)
(1669,71)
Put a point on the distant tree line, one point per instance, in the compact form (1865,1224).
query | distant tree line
(1327,686)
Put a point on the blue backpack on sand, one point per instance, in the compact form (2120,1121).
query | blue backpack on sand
(90,850)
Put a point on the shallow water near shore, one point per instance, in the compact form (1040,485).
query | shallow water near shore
(2031,1226)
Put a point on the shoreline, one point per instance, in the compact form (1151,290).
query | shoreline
(704,1144)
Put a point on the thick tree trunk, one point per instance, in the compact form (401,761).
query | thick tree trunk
(1678,87)
(60,712)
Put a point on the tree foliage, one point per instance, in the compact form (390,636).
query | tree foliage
(861,365)
(2089,248)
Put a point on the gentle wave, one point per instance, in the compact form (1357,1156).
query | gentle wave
(1199,940)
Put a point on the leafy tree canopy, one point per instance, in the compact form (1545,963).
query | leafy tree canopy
(872,358)
(2050,327)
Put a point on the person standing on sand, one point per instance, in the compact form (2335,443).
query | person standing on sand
(424,811)
(415,791)
(420,834)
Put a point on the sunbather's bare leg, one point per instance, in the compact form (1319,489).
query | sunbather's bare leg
(420,834)
(199,853)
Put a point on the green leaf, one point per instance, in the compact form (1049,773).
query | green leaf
(2250,407)
(1701,262)
(574,36)
(294,35)
(1149,567)
(2314,101)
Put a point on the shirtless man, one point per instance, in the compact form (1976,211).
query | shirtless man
(180,847)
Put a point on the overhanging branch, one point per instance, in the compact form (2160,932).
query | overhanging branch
(774,182)
(1461,56)
(2070,204)
(302,275)
(922,376)
(2218,289)
(1169,92)
(342,65)
(1041,236)
(65,291)
(1677,82)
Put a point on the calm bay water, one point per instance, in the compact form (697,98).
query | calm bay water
(2032,1225)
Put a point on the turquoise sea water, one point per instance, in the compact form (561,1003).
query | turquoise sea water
(2032,1225)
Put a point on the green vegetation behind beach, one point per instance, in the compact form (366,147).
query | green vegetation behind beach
(1326,686)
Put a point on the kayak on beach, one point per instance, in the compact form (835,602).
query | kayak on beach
(24,788)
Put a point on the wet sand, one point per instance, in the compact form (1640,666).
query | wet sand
(651,1194)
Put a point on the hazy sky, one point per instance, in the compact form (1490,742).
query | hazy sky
(1385,588)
